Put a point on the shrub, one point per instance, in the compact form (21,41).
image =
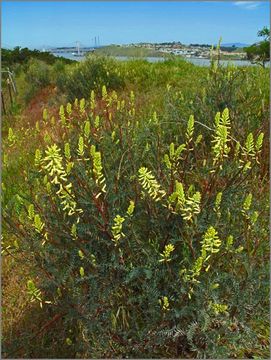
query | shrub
(59,73)
(91,74)
(146,240)
(243,90)
(37,76)
(38,73)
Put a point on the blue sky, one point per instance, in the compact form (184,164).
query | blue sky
(38,24)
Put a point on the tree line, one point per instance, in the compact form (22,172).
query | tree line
(20,55)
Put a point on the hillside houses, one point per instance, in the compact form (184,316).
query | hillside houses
(192,50)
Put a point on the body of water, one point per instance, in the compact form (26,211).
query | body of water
(207,62)
(196,61)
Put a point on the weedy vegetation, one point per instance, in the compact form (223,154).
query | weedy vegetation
(135,213)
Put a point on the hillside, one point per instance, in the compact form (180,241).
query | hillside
(131,51)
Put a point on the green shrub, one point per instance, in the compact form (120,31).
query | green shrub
(149,76)
(148,239)
(59,73)
(37,77)
(244,90)
(38,73)
(89,75)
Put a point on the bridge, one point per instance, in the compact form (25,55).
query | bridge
(77,48)
(82,50)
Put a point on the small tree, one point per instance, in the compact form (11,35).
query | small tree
(260,53)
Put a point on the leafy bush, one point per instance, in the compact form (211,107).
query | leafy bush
(148,76)
(241,89)
(147,237)
(59,71)
(38,73)
(89,75)
(37,76)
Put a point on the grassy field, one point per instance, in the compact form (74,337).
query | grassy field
(135,211)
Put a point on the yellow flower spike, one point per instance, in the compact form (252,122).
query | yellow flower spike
(166,253)
(45,115)
(69,109)
(164,303)
(82,271)
(131,208)
(117,229)
(62,115)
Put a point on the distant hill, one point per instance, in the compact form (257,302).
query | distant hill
(238,45)
(131,51)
